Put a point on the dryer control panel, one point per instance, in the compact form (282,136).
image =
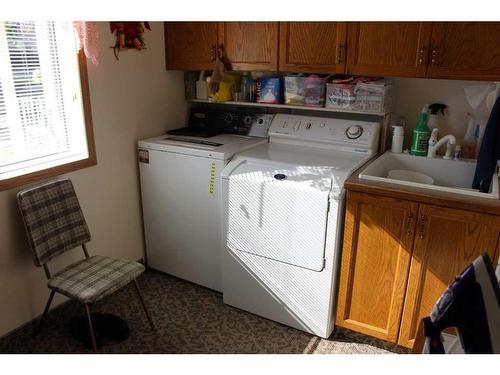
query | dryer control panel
(326,132)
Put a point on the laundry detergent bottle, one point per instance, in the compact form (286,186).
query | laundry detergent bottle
(421,134)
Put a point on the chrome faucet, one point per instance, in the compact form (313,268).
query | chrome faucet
(434,144)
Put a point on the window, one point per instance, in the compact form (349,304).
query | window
(45,123)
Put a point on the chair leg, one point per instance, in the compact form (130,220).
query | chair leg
(91,328)
(47,307)
(144,305)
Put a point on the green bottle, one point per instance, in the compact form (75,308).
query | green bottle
(421,134)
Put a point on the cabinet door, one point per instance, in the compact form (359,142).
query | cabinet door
(378,238)
(469,50)
(250,45)
(388,48)
(312,47)
(446,242)
(190,45)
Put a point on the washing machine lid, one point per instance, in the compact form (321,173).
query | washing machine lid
(279,213)
(222,146)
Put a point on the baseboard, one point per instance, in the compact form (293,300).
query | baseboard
(33,321)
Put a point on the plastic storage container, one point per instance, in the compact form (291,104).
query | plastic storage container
(359,94)
(340,94)
(305,90)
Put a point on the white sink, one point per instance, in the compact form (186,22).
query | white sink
(454,176)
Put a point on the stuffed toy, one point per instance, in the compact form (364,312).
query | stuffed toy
(128,35)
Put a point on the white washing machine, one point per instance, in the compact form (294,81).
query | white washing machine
(283,217)
(181,195)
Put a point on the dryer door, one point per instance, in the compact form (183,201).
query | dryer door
(279,213)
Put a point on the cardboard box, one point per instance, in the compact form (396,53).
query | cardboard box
(269,90)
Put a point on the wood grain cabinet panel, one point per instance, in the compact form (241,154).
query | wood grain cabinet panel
(378,238)
(190,45)
(250,45)
(388,48)
(399,257)
(312,47)
(465,50)
(446,242)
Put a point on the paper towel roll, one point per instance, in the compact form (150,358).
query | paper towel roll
(492,96)
(476,94)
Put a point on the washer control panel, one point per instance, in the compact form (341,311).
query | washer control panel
(246,123)
(355,134)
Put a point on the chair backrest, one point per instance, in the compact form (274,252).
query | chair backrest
(53,219)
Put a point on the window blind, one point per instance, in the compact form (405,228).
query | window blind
(41,113)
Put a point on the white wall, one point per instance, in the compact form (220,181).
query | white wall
(411,94)
(131,99)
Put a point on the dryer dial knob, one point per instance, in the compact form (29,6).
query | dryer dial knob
(229,118)
(354,132)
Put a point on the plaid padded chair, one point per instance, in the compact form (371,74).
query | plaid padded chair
(54,224)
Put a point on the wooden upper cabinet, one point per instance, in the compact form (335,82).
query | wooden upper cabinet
(378,239)
(456,50)
(190,45)
(312,47)
(388,48)
(250,45)
(446,242)
(468,50)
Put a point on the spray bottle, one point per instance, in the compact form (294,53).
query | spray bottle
(421,133)
(435,108)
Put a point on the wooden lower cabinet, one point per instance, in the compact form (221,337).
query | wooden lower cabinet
(378,238)
(398,258)
(446,242)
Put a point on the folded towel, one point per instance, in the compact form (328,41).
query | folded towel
(489,153)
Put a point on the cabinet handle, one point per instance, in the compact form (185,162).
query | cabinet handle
(434,56)
(339,54)
(212,52)
(408,223)
(220,51)
(421,55)
(421,227)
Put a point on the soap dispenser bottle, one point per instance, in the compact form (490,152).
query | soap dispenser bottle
(398,133)
(421,133)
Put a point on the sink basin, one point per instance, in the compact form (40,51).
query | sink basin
(411,176)
(453,176)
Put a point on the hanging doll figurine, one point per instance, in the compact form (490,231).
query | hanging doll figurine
(128,35)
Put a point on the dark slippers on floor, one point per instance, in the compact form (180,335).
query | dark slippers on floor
(107,327)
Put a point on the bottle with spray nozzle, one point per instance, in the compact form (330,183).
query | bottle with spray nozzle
(421,134)
(434,109)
